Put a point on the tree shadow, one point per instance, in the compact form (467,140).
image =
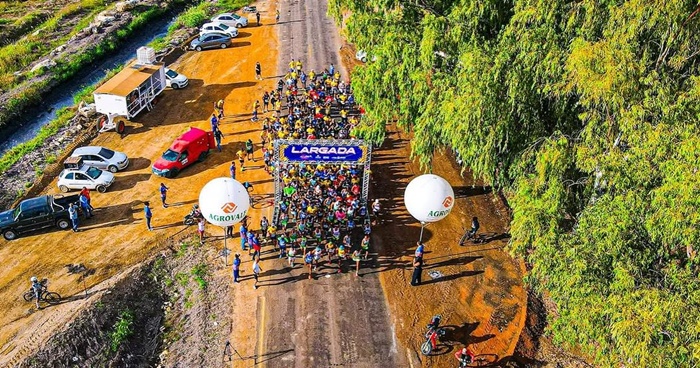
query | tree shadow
(470,191)
(452,277)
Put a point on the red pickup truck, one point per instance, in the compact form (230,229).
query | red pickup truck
(192,146)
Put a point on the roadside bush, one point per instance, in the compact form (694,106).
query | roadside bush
(123,328)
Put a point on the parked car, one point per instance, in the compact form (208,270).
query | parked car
(231,19)
(36,213)
(211,41)
(219,27)
(77,175)
(175,80)
(102,158)
(189,148)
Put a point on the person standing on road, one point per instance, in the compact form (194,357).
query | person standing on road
(85,205)
(200,229)
(232,169)
(229,231)
(218,136)
(417,270)
(266,102)
(244,237)
(241,158)
(256,270)
(419,250)
(258,71)
(214,123)
(277,16)
(147,212)
(309,260)
(257,16)
(73,213)
(236,267)
(219,107)
(163,194)
(86,192)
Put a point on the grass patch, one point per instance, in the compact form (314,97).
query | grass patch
(199,272)
(18,151)
(122,330)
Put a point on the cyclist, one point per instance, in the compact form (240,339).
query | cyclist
(475,227)
(38,288)
(464,357)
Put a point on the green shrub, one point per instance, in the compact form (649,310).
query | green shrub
(122,330)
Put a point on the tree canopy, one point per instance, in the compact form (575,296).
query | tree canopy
(586,114)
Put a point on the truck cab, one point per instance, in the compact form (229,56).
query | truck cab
(189,148)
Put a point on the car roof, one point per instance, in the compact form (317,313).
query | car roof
(87,150)
(213,24)
(234,15)
(217,33)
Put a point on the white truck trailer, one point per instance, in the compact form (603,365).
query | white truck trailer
(130,91)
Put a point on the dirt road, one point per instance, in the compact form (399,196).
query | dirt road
(335,319)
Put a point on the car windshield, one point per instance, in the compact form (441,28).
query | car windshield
(170,155)
(106,153)
(223,26)
(235,16)
(94,172)
(171,74)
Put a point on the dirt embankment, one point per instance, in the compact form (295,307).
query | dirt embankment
(170,311)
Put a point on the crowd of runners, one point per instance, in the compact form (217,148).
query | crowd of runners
(321,219)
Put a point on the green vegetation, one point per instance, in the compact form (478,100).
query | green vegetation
(122,330)
(585,113)
(199,272)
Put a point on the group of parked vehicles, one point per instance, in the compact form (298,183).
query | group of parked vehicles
(220,32)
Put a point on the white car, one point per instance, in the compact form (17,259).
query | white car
(231,19)
(175,80)
(219,28)
(85,176)
(102,158)
(362,56)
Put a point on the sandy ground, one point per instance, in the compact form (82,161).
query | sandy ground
(339,320)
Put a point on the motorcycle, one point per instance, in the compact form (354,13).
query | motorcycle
(433,333)
(192,217)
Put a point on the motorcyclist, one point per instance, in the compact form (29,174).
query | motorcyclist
(37,287)
(464,356)
(196,212)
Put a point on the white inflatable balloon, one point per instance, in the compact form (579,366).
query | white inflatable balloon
(224,201)
(429,198)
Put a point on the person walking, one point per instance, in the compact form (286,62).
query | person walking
(417,270)
(291,256)
(244,237)
(241,158)
(85,205)
(258,71)
(214,122)
(163,194)
(200,229)
(365,246)
(309,260)
(277,16)
(249,149)
(147,212)
(73,213)
(218,136)
(236,267)
(256,271)
(357,257)
(266,102)
(257,16)
(232,169)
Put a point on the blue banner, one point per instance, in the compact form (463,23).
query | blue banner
(314,152)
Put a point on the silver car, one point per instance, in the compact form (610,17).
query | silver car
(210,41)
(231,19)
(219,27)
(102,158)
